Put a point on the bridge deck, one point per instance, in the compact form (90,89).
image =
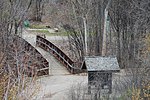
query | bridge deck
(55,68)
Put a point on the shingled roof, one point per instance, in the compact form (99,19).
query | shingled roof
(98,63)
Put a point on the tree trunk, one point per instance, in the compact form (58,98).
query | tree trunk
(105,29)
(85,32)
(99,37)
(105,34)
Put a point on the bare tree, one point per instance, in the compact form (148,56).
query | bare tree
(14,60)
(129,28)
(37,10)
(16,68)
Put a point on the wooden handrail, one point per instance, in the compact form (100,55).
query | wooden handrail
(58,53)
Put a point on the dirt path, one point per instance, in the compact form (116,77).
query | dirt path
(57,87)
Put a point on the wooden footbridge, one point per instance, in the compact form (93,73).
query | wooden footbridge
(46,50)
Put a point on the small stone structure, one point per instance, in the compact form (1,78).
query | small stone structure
(100,71)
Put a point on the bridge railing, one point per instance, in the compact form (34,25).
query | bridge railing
(41,67)
(59,54)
